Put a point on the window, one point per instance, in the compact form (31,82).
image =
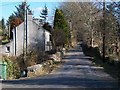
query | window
(7,49)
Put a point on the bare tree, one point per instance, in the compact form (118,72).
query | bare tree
(86,20)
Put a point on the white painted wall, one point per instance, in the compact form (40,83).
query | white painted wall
(19,39)
(36,37)
(47,40)
(3,49)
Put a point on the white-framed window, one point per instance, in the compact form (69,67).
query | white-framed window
(7,49)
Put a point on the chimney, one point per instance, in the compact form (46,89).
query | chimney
(29,17)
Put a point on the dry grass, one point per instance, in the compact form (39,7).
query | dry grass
(111,68)
(53,67)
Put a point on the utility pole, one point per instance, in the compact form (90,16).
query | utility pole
(9,30)
(104,25)
(15,40)
(25,33)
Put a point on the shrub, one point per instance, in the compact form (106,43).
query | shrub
(13,69)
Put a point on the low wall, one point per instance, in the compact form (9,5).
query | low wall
(35,70)
(40,69)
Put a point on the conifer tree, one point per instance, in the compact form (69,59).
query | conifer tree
(44,14)
(61,27)
(18,16)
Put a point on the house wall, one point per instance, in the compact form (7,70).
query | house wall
(35,34)
(4,51)
(37,38)
(47,41)
(19,39)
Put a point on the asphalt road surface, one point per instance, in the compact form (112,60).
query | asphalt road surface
(78,72)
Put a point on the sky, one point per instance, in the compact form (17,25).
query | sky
(7,8)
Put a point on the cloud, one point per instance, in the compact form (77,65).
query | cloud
(40,9)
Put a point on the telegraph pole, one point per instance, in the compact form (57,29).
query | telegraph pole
(25,33)
(104,25)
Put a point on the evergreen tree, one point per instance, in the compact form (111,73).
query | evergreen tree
(19,13)
(3,23)
(61,26)
(21,10)
(18,16)
(2,26)
(48,27)
(44,14)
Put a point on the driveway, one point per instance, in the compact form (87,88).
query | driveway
(77,72)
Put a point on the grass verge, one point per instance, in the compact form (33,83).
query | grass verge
(112,68)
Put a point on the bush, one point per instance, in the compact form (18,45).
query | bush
(53,51)
(13,69)
(33,57)
(5,41)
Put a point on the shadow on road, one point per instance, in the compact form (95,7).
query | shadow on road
(82,77)
(66,81)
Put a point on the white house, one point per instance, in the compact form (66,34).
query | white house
(36,36)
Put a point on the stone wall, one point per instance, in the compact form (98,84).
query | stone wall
(35,70)
(45,67)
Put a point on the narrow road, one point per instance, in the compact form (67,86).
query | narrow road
(77,72)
